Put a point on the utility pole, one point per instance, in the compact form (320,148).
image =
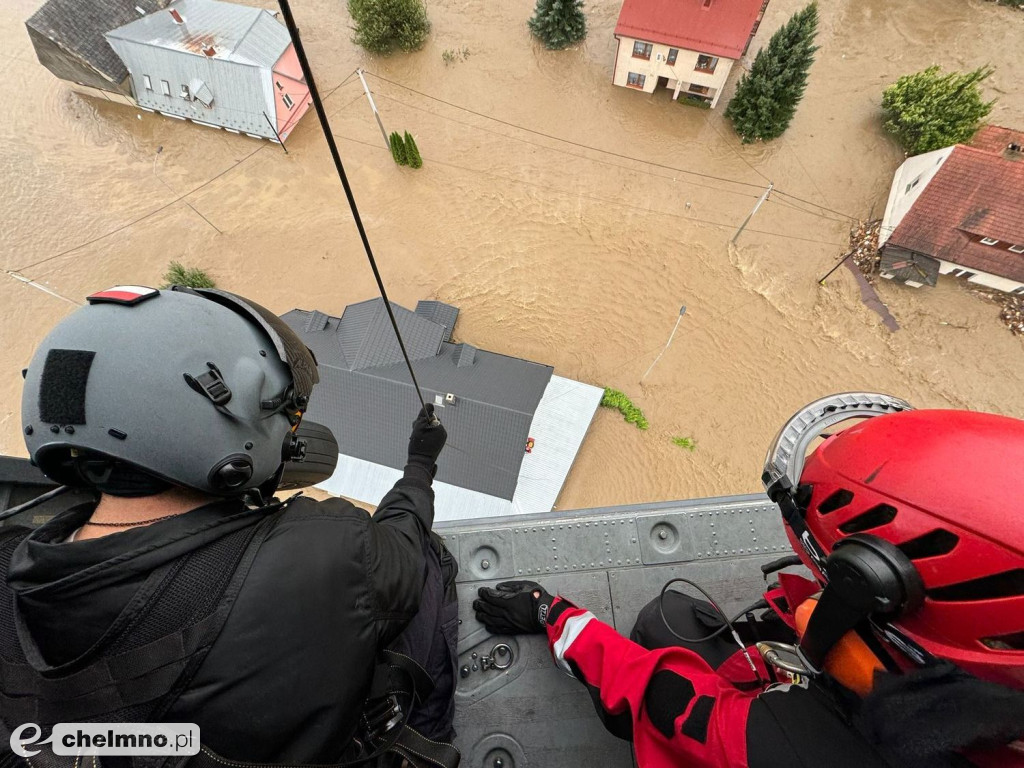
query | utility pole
(821,280)
(373,106)
(682,312)
(746,221)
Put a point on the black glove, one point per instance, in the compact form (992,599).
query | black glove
(427,439)
(513,608)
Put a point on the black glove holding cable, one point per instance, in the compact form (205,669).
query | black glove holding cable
(425,444)
(513,608)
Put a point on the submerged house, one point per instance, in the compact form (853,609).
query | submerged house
(958,211)
(688,46)
(217,64)
(514,428)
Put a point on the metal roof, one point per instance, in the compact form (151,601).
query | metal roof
(366,397)
(715,27)
(78,27)
(439,312)
(211,29)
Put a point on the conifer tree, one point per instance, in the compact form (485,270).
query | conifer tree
(412,152)
(383,25)
(559,23)
(766,97)
(398,151)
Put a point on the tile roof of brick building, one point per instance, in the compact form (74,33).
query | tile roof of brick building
(975,194)
(715,27)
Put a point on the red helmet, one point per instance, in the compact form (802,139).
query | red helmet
(945,487)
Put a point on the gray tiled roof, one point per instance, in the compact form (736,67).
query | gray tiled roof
(78,27)
(237,33)
(370,407)
(440,313)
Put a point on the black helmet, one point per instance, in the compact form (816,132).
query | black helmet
(196,388)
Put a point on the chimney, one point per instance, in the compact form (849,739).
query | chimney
(210,50)
(707,4)
(176,16)
(1015,148)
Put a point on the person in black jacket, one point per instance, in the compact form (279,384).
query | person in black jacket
(174,406)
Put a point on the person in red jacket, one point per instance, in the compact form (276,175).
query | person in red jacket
(913,652)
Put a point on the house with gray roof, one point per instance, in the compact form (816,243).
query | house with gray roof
(514,427)
(218,64)
(68,39)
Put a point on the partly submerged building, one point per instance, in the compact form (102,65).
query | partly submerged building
(217,64)
(959,211)
(514,428)
(688,46)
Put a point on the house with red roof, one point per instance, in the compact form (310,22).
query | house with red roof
(959,211)
(688,46)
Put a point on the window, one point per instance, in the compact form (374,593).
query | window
(701,89)
(634,80)
(642,50)
(288,101)
(672,53)
(278,84)
(185,93)
(706,63)
(989,241)
(147,82)
(1017,248)
(165,88)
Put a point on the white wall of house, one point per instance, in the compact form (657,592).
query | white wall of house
(908,183)
(681,75)
(981,278)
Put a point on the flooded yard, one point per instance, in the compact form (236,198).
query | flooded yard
(554,251)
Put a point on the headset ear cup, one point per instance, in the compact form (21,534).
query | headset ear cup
(231,473)
(886,570)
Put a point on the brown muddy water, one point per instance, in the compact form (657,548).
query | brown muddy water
(554,252)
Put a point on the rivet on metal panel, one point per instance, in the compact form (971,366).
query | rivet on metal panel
(520,570)
(633,540)
(548,569)
(618,562)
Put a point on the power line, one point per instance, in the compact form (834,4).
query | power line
(817,205)
(607,201)
(566,141)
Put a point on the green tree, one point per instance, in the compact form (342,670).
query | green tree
(412,152)
(559,23)
(930,110)
(194,277)
(384,25)
(766,97)
(398,150)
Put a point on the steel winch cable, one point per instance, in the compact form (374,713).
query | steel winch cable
(325,126)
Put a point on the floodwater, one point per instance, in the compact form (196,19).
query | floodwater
(554,252)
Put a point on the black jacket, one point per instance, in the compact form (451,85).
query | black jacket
(285,679)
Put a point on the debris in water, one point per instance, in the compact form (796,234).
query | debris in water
(864,247)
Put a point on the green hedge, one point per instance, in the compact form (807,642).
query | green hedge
(613,398)
(193,277)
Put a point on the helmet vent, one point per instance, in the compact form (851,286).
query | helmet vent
(835,501)
(1005,584)
(1012,642)
(881,514)
(938,542)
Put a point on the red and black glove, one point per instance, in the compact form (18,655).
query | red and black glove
(513,608)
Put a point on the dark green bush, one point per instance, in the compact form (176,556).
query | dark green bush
(384,25)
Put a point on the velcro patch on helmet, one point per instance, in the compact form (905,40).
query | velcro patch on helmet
(126,295)
(62,386)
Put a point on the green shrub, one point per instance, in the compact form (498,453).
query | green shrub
(685,442)
(613,398)
(929,110)
(384,25)
(412,152)
(398,149)
(694,101)
(193,277)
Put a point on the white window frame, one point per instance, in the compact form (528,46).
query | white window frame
(165,88)
(287,100)
(1017,248)
(989,241)
(147,83)
(640,80)
(185,92)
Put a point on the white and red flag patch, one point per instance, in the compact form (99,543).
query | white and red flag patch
(127,295)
